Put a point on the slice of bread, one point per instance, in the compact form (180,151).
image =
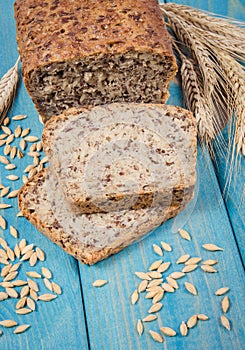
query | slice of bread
(123,156)
(88,237)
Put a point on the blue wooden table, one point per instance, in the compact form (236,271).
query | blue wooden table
(85,317)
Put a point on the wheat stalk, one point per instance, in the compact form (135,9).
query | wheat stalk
(8,85)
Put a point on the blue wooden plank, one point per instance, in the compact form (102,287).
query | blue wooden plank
(59,324)
(234,196)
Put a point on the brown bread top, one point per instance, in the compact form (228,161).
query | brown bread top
(51,31)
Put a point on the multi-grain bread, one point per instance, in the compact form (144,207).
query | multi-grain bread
(121,156)
(77,53)
(88,237)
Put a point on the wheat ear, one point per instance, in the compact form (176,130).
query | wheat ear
(8,85)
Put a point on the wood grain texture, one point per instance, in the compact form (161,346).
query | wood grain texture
(59,324)
(234,197)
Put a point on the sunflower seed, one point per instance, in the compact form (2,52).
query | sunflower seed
(155,265)
(10,139)
(193,261)
(6,130)
(163,267)
(225,304)
(208,268)
(6,121)
(155,308)
(33,285)
(25,132)
(140,328)
(22,328)
(189,268)
(154,274)
(22,244)
(56,288)
(24,291)
(3,136)
(12,177)
(158,297)
(24,179)
(5,206)
(2,142)
(168,331)
(33,274)
(172,282)
(10,254)
(19,154)
(33,295)
(39,146)
(47,297)
(3,296)
(177,274)
(7,150)
(184,234)
(17,251)
(15,267)
(17,131)
(13,152)
(225,322)
(222,291)
(44,160)
(167,247)
(23,311)
(3,223)
(183,329)
(22,144)
(31,304)
(19,283)
(210,262)
(192,321)
(151,294)
(4,261)
(167,288)
(10,166)
(13,194)
(46,272)
(99,283)
(40,254)
(21,303)
(142,286)
(13,231)
(4,160)
(3,254)
(4,191)
(134,297)
(202,317)
(150,318)
(29,168)
(32,173)
(33,259)
(8,323)
(31,138)
(33,147)
(156,336)
(142,275)
(183,259)
(155,283)
(211,247)
(27,248)
(6,284)
(19,117)
(27,255)
(157,249)
(48,284)
(11,292)
(191,288)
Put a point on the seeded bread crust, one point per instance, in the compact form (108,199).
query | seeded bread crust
(66,137)
(38,210)
(77,53)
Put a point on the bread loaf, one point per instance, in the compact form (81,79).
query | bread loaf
(88,237)
(76,53)
(123,156)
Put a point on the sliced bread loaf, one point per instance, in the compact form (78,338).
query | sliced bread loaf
(77,53)
(122,156)
(88,237)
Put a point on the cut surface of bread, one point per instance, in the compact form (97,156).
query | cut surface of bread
(77,53)
(123,156)
(88,237)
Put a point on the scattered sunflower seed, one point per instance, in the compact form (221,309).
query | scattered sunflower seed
(156,336)
(163,267)
(17,131)
(3,223)
(22,144)
(33,274)
(158,297)
(19,117)
(19,154)
(167,247)
(172,282)
(210,262)
(176,275)
(13,231)
(56,288)
(33,285)
(33,259)
(13,152)
(192,321)
(208,268)
(167,288)
(155,283)
(225,322)
(47,297)
(6,121)
(27,255)
(10,166)
(21,329)
(142,286)
(183,329)
(31,304)
(202,317)
(13,194)
(212,247)
(157,249)
(8,323)
(23,311)
(154,274)
(155,265)
(191,288)
(99,283)
(17,251)
(3,296)
(46,272)
(31,138)
(150,318)
(12,177)
(142,275)
(222,291)
(183,259)
(184,234)
(24,291)
(19,283)
(12,292)
(190,268)
(193,261)
(6,130)
(5,206)
(21,303)
(10,139)
(225,304)
(155,308)
(10,254)
(168,331)
(40,254)
(140,327)
(134,296)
